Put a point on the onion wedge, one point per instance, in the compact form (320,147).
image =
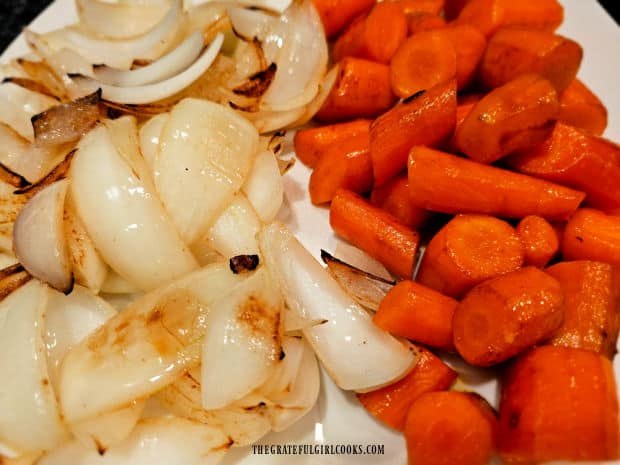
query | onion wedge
(357,354)
(19,105)
(263,187)
(150,134)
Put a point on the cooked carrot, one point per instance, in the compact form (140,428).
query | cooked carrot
(311,143)
(579,107)
(465,105)
(344,165)
(468,250)
(336,14)
(418,22)
(375,37)
(574,158)
(427,118)
(362,90)
(374,231)
(446,428)
(516,116)
(591,301)
(512,52)
(433,7)
(592,235)
(445,183)
(539,240)
(424,60)
(419,313)
(391,403)
(452,8)
(558,403)
(393,197)
(490,15)
(470,45)
(505,316)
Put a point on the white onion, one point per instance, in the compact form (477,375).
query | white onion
(167,66)
(126,222)
(204,253)
(272,120)
(205,154)
(155,441)
(7,260)
(149,93)
(116,284)
(10,206)
(263,187)
(250,23)
(356,353)
(13,147)
(356,257)
(278,385)
(325,88)
(30,421)
(19,105)
(242,341)
(150,134)
(39,237)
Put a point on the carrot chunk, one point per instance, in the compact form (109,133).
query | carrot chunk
(507,315)
(362,90)
(512,52)
(418,313)
(468,250)
(393,197)
(516,116)
(374,231)
(445,183)
(453,8)
(418,22)
(558,403)
(310,144)
(427,118)
(581,108)
(336,14)
(574,158)
(539,240)
(433,7)
(591,302)
(391,403)
(592,235)
(445,428)
(469,44)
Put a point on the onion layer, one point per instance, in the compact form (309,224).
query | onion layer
(263,187)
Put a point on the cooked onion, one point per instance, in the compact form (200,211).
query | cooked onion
(19,105)
(10,206)
(39,237)
(275,5)
(116,284)
(149,137)
(263,187)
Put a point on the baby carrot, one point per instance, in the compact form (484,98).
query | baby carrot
(581,108)
(465,105)
(539,240)
(469,44)
(393,197)
(592,235)
(418,22)
(374,231)
(433,7)
(336,14)
(452,8)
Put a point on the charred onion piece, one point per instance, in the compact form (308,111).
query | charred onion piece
(243,263)
(258,83)
(12,278)
(10,177)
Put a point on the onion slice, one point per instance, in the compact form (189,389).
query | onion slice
(264,187)
(10,206)
(149,93)
(150,134)
(19,105)
(356,353)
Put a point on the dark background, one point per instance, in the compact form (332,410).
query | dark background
(19,13)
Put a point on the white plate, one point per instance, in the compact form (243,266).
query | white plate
(338,418)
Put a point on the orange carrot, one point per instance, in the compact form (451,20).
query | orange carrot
(591,301)
(393,197)
(470,45)
(513,52)
(345,165)
(375,37)
(362,90)
(374,231)
(507,315)
(516,116)
(433,7)
(445,428)
(539,240)
(336,14)
(489,15)
(419,313)
(468,250)
(558,403)
(311,143)
(574,158)
(445,183)
(579,107)
(391,403)
(427,118)
(452,8)
(465,105)
(424,60)
(592,235)
(418,22)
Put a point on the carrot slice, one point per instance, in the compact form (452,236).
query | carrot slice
(539,240)
(469,44)
(345,165)
(310,144)
(424,60)
(336,14)
(427,118)
(418,22)
(516,116)
(465,104)
(393,197)
(507,315)
(450,428)
(391,403)
(581,108)
(591,301)
(512,52)
(362,90)
(468,250)
(374,231)
(445,183)
(558,403)
(592,235)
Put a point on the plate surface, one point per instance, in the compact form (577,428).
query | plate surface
(338,417)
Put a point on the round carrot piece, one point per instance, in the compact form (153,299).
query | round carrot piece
(539,239)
